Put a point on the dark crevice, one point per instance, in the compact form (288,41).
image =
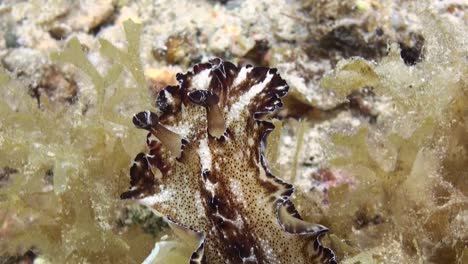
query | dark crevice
(257,55)
(348,41)
(26,258)
(56,85)
(359,103)
(108,21)
(412,53)
(5,174)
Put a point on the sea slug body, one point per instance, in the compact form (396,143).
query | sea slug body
(206,170)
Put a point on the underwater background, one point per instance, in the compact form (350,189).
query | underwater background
(373,133)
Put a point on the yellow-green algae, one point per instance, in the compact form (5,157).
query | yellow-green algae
(406,201)
(3,78)
(63,201)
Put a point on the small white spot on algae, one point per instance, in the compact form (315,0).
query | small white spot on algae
(64,171)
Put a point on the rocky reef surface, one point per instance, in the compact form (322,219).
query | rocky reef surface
(373,133)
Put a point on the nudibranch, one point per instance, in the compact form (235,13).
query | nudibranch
(206,169)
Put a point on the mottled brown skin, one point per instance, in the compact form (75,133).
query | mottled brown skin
(221,185)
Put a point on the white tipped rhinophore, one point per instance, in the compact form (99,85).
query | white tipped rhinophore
(202,80)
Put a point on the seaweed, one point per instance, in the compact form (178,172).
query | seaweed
(70,165)
(4,78)
(397,187)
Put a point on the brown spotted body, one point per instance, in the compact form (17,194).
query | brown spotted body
(206,170)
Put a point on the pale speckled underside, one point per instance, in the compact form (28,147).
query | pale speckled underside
(220,184)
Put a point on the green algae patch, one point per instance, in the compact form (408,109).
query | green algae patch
(350,75)
(63,169)
(63,201)
(74,54)
(404,198)
(129,59)
(4,78)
